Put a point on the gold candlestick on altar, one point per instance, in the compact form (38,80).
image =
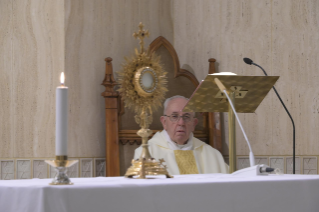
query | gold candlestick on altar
(143,87)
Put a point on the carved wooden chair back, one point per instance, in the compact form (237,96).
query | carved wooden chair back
(121,138)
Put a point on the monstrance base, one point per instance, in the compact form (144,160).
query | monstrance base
(148,166)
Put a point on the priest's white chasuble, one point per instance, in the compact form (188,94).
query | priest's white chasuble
(195,157)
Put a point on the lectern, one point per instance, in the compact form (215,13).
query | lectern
(246,93)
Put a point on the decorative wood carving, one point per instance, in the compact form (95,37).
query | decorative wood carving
(158,42)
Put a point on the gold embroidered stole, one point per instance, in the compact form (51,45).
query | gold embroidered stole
(186,162)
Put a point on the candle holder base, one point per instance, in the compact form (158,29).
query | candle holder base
(60,164)
(61,177)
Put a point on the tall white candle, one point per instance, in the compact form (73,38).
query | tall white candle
(61,124)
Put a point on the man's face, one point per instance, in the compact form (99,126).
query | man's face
(179,130)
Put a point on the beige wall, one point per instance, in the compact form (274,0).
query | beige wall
(282,37)
(41,38)
(96,30)
(32,55)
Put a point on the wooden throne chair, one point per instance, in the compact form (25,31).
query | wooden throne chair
(120,127)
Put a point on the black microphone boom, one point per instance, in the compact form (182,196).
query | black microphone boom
(249,62)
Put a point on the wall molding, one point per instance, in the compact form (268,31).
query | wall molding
(28,168)
(304,164)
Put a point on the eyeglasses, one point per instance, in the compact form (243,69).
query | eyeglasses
(176,117)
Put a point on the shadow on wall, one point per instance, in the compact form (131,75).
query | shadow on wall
(188,68)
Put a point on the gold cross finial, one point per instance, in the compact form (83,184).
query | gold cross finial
(140,35)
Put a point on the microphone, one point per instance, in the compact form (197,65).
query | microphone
(250,62)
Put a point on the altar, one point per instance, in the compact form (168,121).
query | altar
(183,193)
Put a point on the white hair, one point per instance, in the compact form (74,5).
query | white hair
(172,98)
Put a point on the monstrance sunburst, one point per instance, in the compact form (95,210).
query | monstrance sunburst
(143,86)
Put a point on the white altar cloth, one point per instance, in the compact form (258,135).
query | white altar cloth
(183,193)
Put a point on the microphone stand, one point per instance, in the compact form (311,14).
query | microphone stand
(293,124)
(223,89)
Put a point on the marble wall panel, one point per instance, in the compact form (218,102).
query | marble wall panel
(6,61)
(99,167)
(282,37)
(7,169)
(261,160)
(196,26)
(289,165)
(86,165)
(40,169)
(23,169)
(310,165)
(38,54)
(37,168)
(277,162)
(38,35)
(254,32)
(295,57)
(73,171)
(228,31)
(95,30)
(242,162)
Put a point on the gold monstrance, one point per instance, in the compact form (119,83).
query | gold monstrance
(143,87)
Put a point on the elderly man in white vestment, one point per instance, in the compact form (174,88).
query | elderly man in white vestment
(182,152)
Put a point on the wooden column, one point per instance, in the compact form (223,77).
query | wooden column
(214,131)
(111,124)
